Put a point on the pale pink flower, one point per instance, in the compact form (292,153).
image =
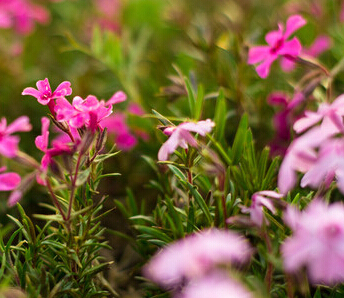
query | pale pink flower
(9,143)
(300,157)
(44,94)
(278,45)
(218,285)
(9,180)
(195,255)
(180,136)
(331,114)
(328,165)
(321,44)
(317,242)
(261,199)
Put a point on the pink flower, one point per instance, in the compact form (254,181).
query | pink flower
(218,285)
(317,242)
(180,136)
(8,181)
(44,94)
(261,199)
(321,44)
(331,114)
(9,143)
(195,255)
(328,165)
(301,156)
(88,112)
(278,45)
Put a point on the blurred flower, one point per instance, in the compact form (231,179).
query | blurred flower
(9,143)
(320,45)
(22,15)
(180,136)
(278,45)
(300,156)
(331,114)
(195,255)
(116,125)
(217,284)
(8,181)
(261,199)
(317,242)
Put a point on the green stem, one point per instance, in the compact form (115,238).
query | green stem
(55,200)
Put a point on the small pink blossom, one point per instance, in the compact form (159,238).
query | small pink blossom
(195,255)
(317,242)
(331,114)
(261,199)
(44,94)
(180,136)
(218,285)
(9,143)
(278,45)
(8,181)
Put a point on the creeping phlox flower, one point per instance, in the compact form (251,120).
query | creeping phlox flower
(22,15)
(88,112)
(330,114)
(216,284)
(317,242)
(58,148)
(180,136)
(278,45)
(195,255)
(261,199)
(8,181)
(9,143)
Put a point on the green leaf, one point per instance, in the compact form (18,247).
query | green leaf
(199,102)
(153,232)
(82,177)
(191,96)
(176,217)
(97,41)
(220,117)
(239,140)
(162,119)
(178,173)
(200,201)
(102,157)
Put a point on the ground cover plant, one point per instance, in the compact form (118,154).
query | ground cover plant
(171,148)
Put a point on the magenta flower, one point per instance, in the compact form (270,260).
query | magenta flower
(218,285)
(9,143)
(180,136)
(8,181)
(44,94)
(317,242)
(195,255)
(331,114)
(321,44)
(278,45)
(261,199)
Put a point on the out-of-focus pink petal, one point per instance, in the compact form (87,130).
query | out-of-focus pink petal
(263,69)
(20,124)
(118,97)
(294,23)
(41,141)
(14,198)
(273,37)
(201,127)
(306,122)
(320,45)
(292,48)
(9,181)
(126,141)
(31,91)
(257,54)
(287,64)
(9,146)
(169,146)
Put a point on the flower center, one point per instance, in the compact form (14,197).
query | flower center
(278,45)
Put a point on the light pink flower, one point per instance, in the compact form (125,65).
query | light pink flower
(218,285)
(331,114)
(195,255)
(9,143)
(44,94)
(261,199)
(300,157)
(278,45)
(317,242)
(8,181)
(180,136)
(321,44)
(328,165)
